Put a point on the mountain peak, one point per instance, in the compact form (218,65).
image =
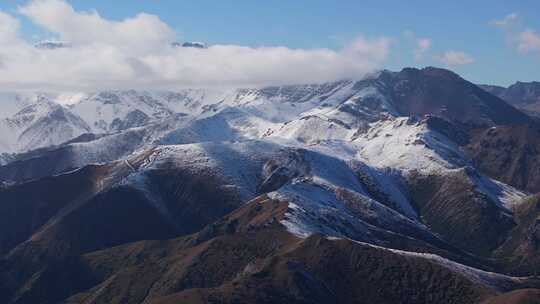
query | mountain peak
(52,45)
(430,71)
(523,95)
(441,92)
(190,44)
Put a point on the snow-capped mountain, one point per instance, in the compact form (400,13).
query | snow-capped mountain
(52,45)
(12,102)
(42,123)
(190,44)
(114,111)
(380,171)
(335,114)
(339,109)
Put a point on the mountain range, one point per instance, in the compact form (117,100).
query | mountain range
(415,186)
(523,95)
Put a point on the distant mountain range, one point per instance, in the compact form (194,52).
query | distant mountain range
(415,186)
(523,95)
(53,45)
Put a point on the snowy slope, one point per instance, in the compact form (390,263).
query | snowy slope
(104,111)
(11,103)
(408,144)
(239,164)
(353,120)
(252,113)
(42,123)
(389,150)
(411,145)
(326,197)
(323,192)
(342,159)
(350,120)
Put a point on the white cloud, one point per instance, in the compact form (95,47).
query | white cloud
(136,53)
(422,46)
(141,32)
(231,64)
(508,21)
(8,28)
(528,41)
(455,58)
(524,40)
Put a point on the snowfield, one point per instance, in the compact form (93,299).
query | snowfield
(348,120)
(339,154)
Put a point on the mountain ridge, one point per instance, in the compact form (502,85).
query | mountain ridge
(300,191)
(524,95)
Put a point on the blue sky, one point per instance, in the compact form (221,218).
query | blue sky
(463,26)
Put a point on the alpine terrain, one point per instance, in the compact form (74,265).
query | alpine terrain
(415,186)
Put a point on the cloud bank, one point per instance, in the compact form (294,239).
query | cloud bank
(455,58)
(422,46)
(524,40)
(506,22)
(528,41)
(137,53)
